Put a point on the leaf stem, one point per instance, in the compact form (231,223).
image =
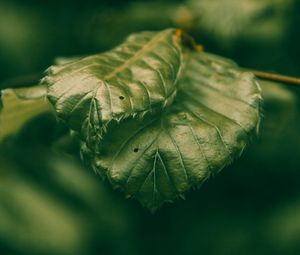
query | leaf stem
(188,40)
(277,77)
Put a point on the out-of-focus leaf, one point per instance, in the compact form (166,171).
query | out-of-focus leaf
(280,108)
(137,77)
(50,205)
(27,210)
(278,141)
(230,20)
(19,106)
(23,40)
(161,157)
(286,221)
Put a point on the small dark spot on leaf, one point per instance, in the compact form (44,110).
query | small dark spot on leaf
(121,97)
(136,149)
(182,115)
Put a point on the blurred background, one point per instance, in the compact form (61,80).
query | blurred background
(51,204)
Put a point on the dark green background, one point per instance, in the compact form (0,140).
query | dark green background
(51,204)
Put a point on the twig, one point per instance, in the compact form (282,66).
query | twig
(277,77)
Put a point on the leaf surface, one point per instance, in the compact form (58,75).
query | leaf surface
(137,77)
(19,106)
(161,157)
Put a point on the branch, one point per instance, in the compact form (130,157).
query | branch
(277,77)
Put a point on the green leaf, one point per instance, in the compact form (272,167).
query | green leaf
(261,21)
(137,77)
(161,157)
(19,106)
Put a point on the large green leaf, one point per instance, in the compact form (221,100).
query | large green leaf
(18,106)
(137,77)
(161,157)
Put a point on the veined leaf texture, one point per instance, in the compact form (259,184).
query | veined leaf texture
(155,117)
(137,77)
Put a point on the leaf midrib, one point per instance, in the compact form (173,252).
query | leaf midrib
(145,49)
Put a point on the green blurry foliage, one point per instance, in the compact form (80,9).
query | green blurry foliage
(250,30)
(58,207)
(251,208)
(19,106)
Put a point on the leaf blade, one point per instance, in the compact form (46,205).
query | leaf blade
(160,158)
(130,80)
(18,106)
